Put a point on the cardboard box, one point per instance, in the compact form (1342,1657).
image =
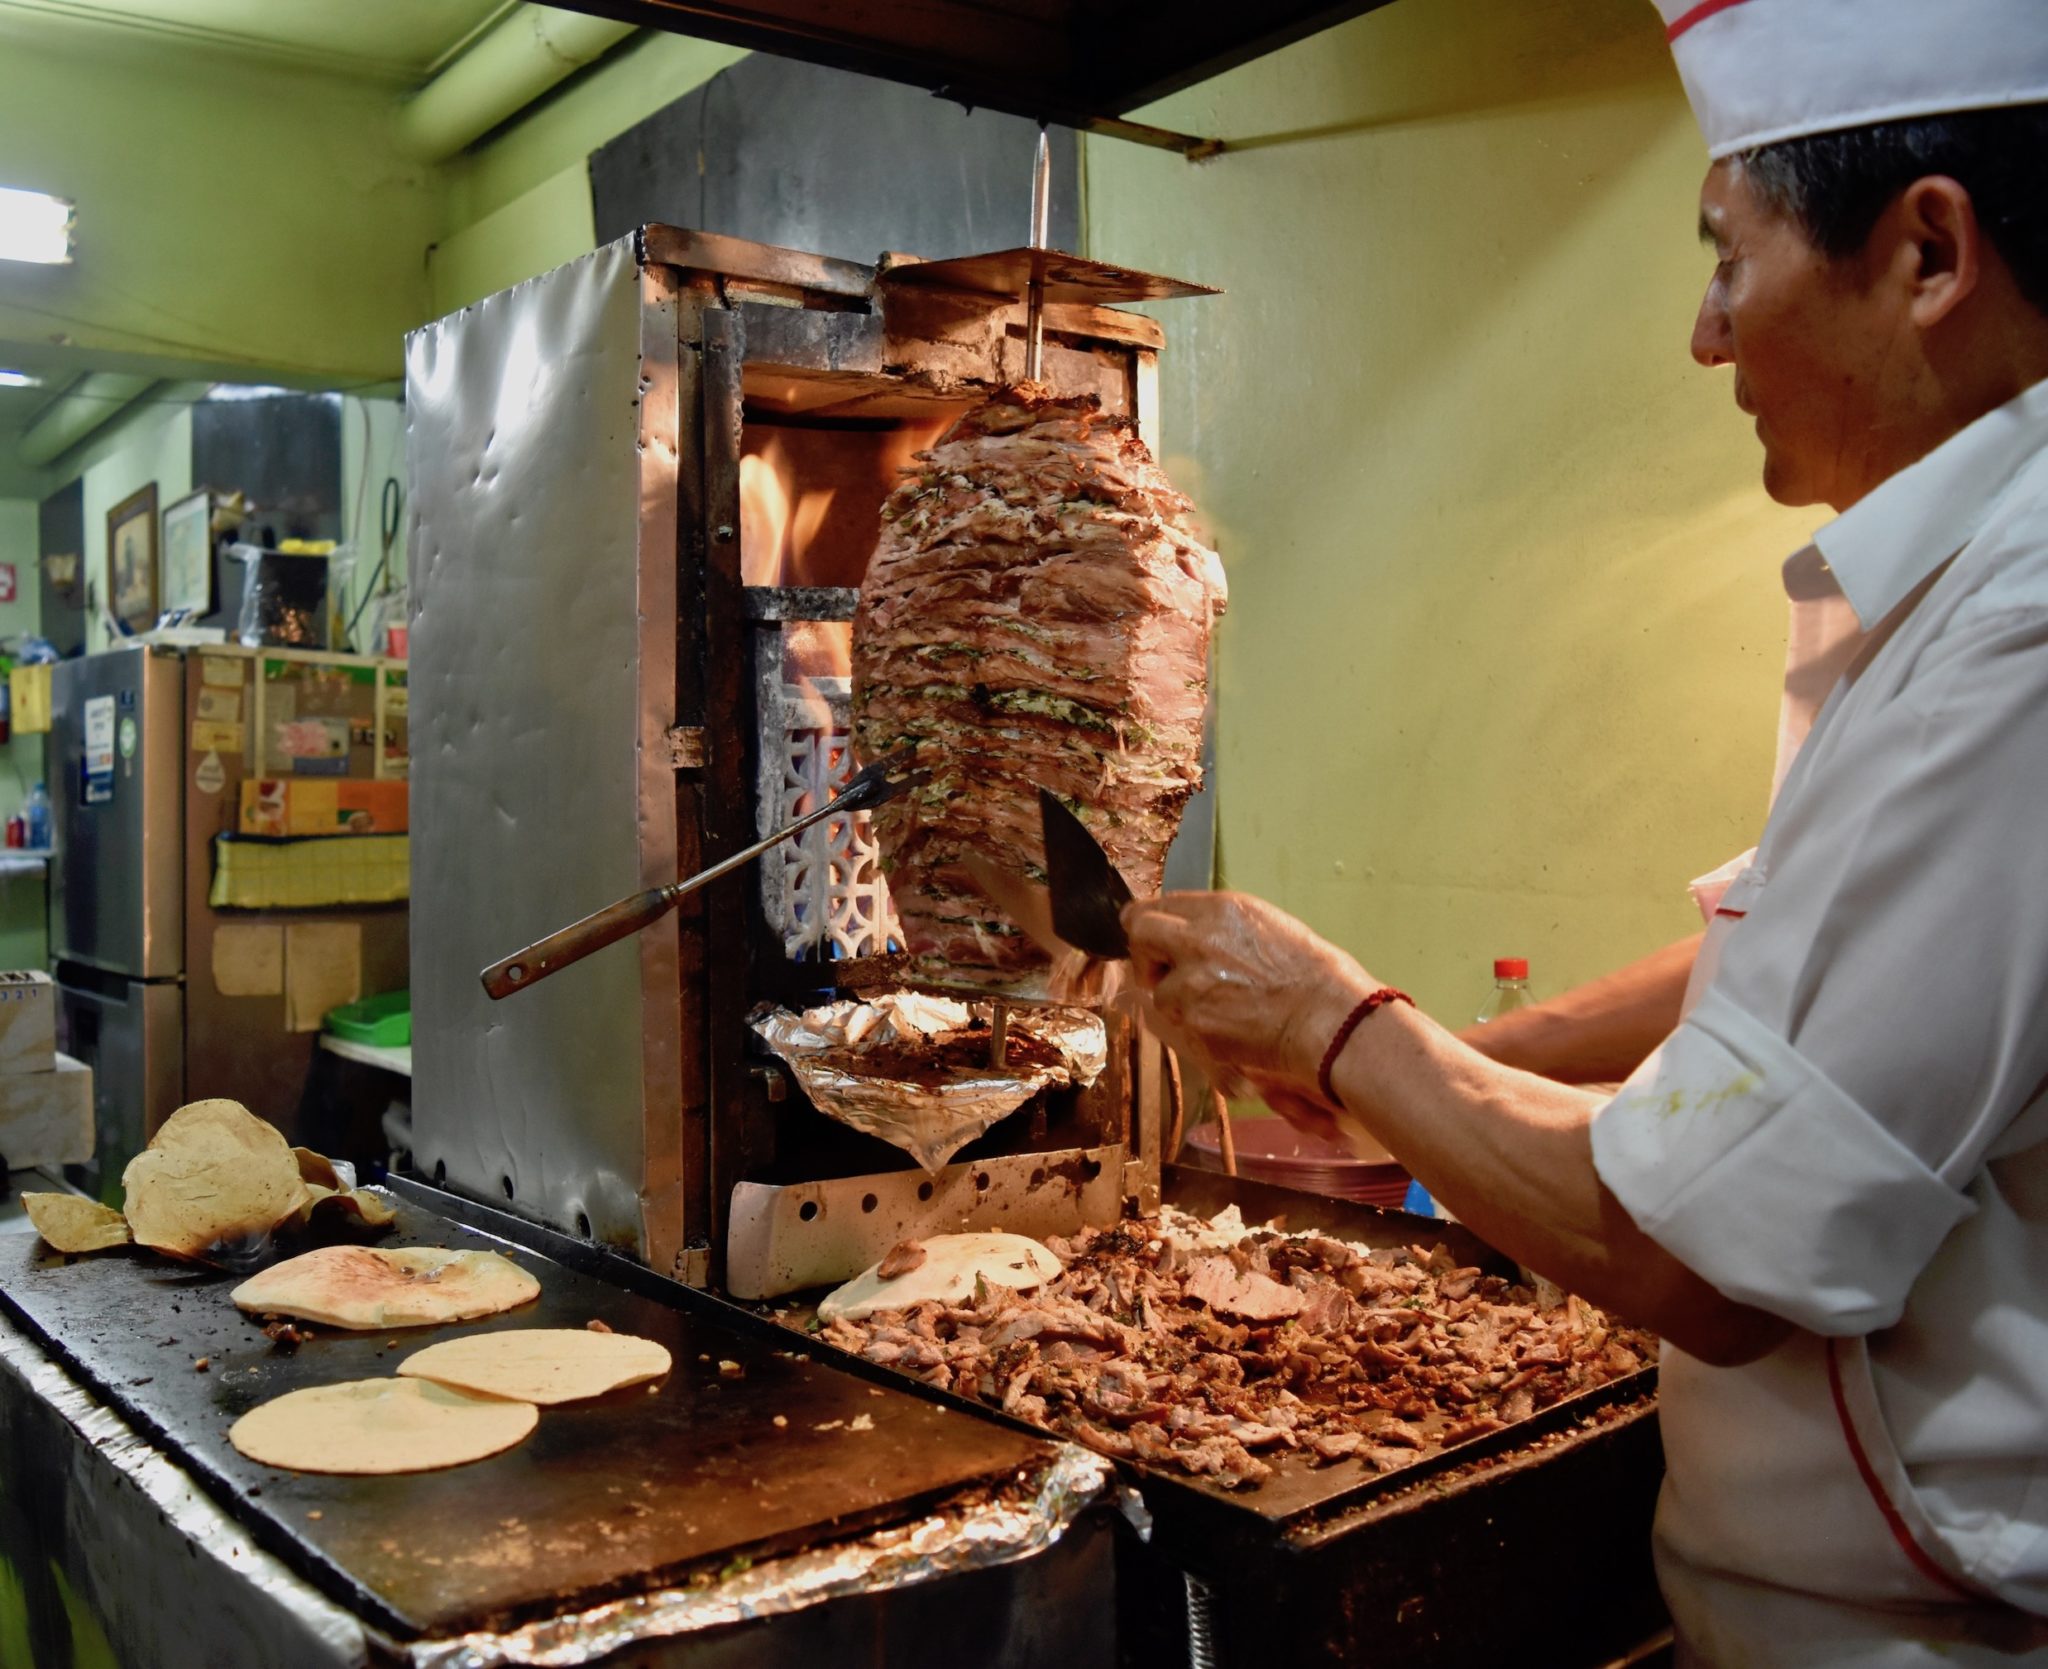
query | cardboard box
(300,806)
(46,1117)
(28,1023)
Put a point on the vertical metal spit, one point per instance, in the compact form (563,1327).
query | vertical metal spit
(1034,292)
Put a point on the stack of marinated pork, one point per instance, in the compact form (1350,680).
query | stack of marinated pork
(1036,614)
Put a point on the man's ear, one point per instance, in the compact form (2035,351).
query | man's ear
(1938,247)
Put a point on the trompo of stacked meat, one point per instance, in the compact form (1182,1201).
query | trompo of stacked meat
(1037,613)
(1205,1353)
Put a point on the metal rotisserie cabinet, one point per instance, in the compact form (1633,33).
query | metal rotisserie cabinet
(645,487)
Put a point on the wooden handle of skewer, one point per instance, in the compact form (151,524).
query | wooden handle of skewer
(1225,1135)
(999,1035)
(576,941)
(1176,1109)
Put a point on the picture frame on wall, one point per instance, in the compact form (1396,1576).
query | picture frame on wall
(187,577)
(131,560)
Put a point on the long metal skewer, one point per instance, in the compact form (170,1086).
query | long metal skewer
(879,782)
(1034,290)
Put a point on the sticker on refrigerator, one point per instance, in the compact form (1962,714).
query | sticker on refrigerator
(129,733)
(220,706)
(98,784)
(311,739)
(210,736)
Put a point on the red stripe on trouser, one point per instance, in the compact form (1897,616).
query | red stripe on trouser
(1893,1522)
(1699,14)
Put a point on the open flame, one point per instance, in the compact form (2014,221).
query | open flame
(779,521)
(811,514)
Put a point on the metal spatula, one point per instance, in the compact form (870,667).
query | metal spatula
(876,785)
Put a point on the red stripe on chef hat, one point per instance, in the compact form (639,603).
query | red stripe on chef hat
(1699,14)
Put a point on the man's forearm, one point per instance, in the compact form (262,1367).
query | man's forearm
(1598,1032)
(1511,1155)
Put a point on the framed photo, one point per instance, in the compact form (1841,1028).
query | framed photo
(131,559)
(188,556)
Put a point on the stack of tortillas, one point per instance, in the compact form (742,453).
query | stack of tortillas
(454,1402)
(213,1176)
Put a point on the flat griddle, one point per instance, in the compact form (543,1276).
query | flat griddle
(1300,1500)
(1209,1528)
(606,1496)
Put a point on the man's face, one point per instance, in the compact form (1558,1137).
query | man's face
(1807,337)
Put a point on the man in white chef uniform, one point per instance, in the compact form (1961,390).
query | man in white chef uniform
(1827,1187)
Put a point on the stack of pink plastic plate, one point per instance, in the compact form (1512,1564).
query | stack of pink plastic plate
(1272,1150)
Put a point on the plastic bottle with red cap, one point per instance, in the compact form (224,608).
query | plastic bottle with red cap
(1510,988)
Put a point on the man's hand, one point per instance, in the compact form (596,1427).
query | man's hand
(1244,988)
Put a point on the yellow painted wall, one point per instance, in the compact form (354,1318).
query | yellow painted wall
(1500,668)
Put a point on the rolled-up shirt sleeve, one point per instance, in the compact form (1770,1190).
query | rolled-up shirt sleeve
(1808,1136)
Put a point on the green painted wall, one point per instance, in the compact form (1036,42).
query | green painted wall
(372,452)
(151,442)
(24,919)
(519,203)
(230,218)
(1500,668)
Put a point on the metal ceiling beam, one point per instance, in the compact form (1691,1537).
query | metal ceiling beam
(93,401)
(503,72)
(1070,61)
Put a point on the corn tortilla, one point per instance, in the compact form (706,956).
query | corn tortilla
(366,1427)
(546,1365)
(72,1223)
(405,1286)
(214,1172)
(952,1264)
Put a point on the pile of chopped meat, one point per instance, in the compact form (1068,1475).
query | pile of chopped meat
(944,1057)
(1037,613)
(1160,1346)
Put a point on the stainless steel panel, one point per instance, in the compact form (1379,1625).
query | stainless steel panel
(542,445)
(117,880)
(97,1522)
(132,1035)
(782,1239)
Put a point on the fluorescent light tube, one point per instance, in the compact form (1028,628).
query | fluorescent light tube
(34,226)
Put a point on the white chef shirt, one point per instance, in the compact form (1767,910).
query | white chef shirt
(1850,1127)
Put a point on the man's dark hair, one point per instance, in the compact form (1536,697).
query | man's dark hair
(1835,185)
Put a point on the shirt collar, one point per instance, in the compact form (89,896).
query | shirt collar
(1889,541)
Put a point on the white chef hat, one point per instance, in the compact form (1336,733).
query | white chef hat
(1758,71)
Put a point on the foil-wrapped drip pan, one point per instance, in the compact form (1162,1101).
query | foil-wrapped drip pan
(979,1530)
(915,1069)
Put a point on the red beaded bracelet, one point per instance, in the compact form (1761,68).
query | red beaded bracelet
(1366,1004)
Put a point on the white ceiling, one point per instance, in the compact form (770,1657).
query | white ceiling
(399,42)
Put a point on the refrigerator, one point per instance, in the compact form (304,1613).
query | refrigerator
(148,749)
